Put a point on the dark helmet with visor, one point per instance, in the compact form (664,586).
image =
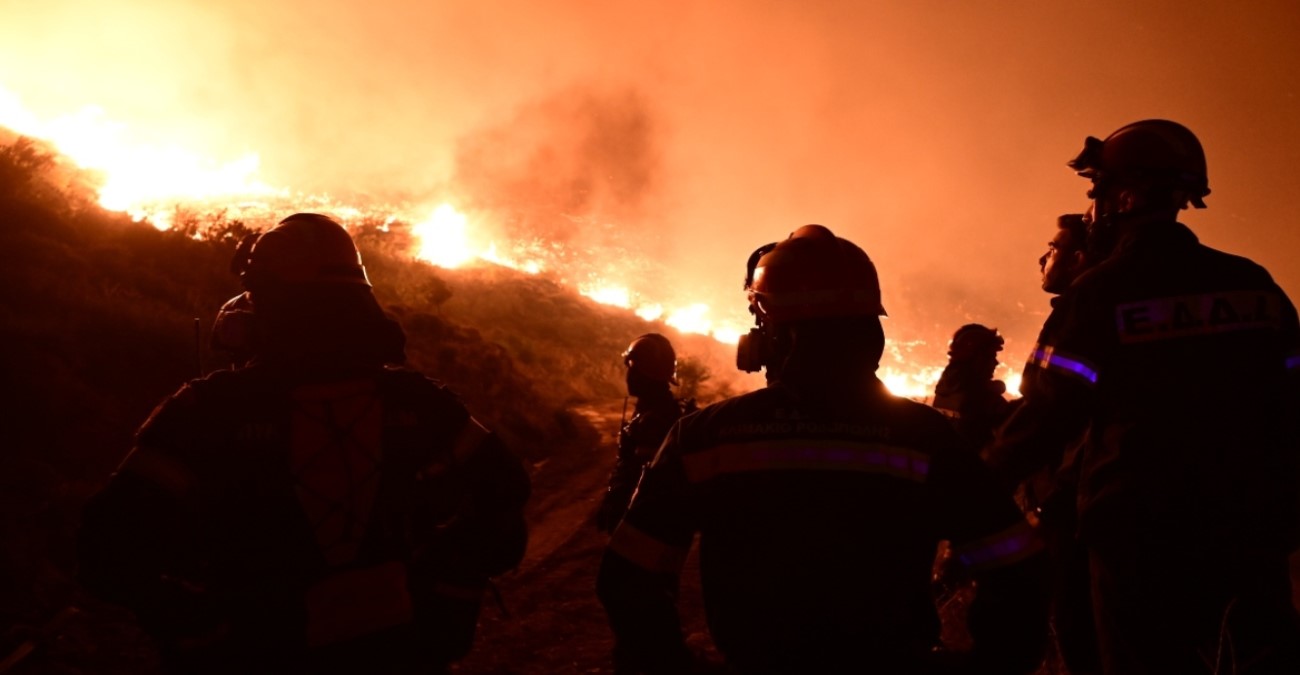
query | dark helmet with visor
(1156,152)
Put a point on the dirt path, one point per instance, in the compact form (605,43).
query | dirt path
(555,623)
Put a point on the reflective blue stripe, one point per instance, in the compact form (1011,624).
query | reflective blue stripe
(1293,362)
(1045,356)
(1003,548)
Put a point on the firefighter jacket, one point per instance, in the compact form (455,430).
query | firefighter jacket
(1180,362)
(973,401)
(263,523)
(818,523)
(638,440)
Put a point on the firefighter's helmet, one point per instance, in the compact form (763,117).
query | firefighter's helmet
(652,355)
(1156,151)
(305,248)
(814,274)
(975,341)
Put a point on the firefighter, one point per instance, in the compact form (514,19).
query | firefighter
(651,366)
(1180,363)
(1050,493)
(966,392)
(819,502)
(318,510)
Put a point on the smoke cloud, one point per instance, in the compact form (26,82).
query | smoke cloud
(932,133)
(566,164)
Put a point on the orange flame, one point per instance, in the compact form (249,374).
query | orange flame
(443,238)
(145,180)
(138,178)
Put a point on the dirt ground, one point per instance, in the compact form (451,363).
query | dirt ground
(551,621)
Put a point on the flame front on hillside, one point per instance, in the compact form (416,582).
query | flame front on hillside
(136,177)
(151,182)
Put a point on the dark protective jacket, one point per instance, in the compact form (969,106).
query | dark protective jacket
(972,401)
(818,523)
(267,522)
(1181,363)
(638,441)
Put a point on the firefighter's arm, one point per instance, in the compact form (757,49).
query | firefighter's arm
(623,479)
(1291,345)
(1059,388)
(989,536)
(503,490)
(1038,432)
(638,577)
(125,542)
(122,536)
(488,534)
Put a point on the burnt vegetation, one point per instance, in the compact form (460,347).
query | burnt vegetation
(98,323)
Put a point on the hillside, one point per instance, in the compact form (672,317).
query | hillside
(100,317)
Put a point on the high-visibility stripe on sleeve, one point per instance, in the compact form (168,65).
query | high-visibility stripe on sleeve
(1047,358)
(807,455)
(1293,363)
(166,472)
(1003,548)
(646,551)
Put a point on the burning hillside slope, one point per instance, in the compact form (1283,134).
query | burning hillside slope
(567,189)
(98,315)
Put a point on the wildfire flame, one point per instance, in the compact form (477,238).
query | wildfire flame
(443,237)
(147,181)
(137,177)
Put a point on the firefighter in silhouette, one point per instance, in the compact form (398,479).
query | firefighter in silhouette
(1180,362)
(1065,260)
(967,393)
(819,501)
(319,510)
(1050,492)
(651,370)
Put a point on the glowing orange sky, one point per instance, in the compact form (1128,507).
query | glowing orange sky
(933,133)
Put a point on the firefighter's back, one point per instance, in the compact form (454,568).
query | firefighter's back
(819,523)
(319,510)
(1192,394)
